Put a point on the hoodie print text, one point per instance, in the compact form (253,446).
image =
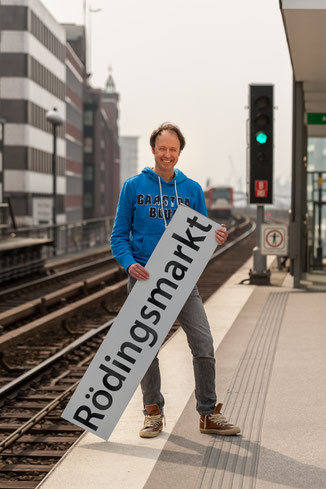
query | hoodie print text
(154,204)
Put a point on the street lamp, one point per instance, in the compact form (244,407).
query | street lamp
(55,120)
(2,137)
(3,206)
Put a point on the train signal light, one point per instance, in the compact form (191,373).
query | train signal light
(261,107)
(261,137)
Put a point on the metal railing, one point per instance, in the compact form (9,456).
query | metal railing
(70,237)
(3,216)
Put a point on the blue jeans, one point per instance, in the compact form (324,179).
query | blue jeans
(193,321)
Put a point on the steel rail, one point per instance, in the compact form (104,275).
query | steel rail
(55,276)
(235,241)
(37,371)
(53,298)
(15,336)
(66,273)
(37,417)
(14,384)
(49,361)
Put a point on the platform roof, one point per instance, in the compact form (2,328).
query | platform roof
(305,27)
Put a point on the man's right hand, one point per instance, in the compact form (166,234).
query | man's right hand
(137,271)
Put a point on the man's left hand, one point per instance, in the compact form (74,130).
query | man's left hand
(221,235)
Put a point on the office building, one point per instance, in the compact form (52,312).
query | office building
(101,151)
(75,80)
(128,157)
(32,81)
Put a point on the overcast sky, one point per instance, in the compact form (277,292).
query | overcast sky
(190,63)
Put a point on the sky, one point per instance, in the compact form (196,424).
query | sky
(190,63)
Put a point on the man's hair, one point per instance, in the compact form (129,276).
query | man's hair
(166,126)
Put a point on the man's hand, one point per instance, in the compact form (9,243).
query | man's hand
(221,235)
(138,272)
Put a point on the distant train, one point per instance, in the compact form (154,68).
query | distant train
(219,202)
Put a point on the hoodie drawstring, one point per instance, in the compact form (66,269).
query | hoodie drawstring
(159,181)
(161,195)
(176,193)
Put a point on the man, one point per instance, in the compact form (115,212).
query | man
(146,205)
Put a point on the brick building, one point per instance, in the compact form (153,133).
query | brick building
(101,151)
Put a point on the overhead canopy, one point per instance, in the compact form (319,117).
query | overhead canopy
(305,27)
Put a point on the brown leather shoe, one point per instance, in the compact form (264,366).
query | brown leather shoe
(216,423)
(153,423)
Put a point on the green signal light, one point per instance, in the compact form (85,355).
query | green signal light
(261,138)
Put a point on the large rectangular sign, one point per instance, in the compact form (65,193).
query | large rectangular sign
(143,323)
(42,210)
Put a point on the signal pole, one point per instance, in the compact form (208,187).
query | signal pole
(261,146)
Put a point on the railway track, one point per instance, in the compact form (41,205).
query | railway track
(36,288)
(47,311)
(33,436)
(56,265)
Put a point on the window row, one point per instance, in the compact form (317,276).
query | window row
(37,118)
(45,36)
(46,79)
(41,162)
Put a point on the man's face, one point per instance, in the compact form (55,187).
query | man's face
(166,151)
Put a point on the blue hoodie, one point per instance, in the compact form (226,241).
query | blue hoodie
(140,221)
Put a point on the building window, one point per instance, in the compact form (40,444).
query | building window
(88,173)
(37,118)
(45,36)
(88,118)
(88,200)
(40,161)
(88,145)
(47,80)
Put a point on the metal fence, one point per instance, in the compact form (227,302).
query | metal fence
(70,238)
(3,216)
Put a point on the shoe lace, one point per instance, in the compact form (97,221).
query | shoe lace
(218,418)
(154,421)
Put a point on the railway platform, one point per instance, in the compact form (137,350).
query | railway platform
(270,343)
(21,256)
(71,258)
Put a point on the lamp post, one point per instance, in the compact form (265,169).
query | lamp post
(3,206)
(55,120)
(2,137)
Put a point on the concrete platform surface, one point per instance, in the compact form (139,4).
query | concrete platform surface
(10,244)
(270,344)
(67,258)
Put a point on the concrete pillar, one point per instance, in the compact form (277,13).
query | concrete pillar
(298,224)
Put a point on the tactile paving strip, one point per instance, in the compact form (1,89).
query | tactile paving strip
(231,462)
